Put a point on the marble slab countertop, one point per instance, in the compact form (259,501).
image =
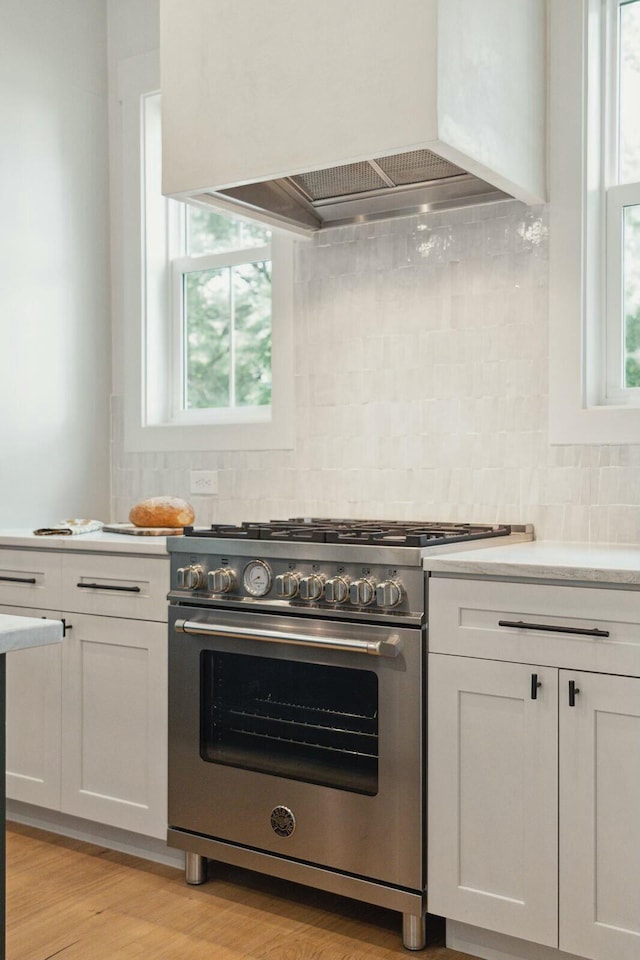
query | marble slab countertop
(97,542)
(16,633)
(546,560)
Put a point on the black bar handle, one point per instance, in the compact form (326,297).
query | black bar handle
(107,586)
(65,626)
(594,632)
(572,693)
(535,683)
(19,579)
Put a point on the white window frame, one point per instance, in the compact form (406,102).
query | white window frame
(151,418)
(584,406)
(180,266)
(618,197)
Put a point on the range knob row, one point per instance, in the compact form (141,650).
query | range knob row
(312,587)
(360,593)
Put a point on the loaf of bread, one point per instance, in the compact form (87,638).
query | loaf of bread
(162,512)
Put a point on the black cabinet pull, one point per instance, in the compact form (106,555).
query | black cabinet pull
(535,683)
(594,632)
(19,579)
(572,693)
(65,626)
(107,586)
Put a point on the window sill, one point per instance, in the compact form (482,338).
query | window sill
(592,425)
(166,438)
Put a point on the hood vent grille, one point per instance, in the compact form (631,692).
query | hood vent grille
(417,166)
(397,185)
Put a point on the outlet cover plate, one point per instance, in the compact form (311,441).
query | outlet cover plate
(203,483)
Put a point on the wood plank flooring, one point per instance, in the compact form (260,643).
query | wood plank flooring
(75,901)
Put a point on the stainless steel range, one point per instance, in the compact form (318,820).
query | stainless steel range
(297,741)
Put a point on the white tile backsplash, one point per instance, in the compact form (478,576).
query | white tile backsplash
(421,392)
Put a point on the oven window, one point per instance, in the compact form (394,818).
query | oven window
(303,721)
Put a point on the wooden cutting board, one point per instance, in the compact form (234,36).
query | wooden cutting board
(130,528)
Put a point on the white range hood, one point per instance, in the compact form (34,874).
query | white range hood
(307,114)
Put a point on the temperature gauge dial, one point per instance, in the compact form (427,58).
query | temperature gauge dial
(257,578)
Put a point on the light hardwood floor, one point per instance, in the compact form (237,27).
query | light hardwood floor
(75,901)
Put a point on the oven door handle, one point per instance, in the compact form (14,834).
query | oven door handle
(391,646)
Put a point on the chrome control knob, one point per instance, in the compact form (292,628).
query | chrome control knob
(191,578)
(389,593)
(312,586)
(287,585)
(222,580)
(336,590)
(362,592)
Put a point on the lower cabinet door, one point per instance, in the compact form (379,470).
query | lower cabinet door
(33,719)
(492,795)
(114,723)
(600,816)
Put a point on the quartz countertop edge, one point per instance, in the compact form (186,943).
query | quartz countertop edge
(17,633)
(545,560)
(96,542)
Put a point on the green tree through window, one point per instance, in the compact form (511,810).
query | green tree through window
(226,313)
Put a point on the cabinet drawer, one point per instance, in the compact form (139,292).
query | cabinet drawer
(584,628)
(115,586)
(30,578)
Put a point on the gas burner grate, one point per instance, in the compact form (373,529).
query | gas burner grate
(362,532)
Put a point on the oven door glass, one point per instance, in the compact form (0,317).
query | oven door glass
(303,721)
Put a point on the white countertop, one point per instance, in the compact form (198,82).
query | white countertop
(545,560)
(96,542)
(16,633)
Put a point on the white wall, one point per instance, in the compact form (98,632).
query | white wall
(54,263)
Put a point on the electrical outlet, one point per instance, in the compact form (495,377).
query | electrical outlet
(204,483)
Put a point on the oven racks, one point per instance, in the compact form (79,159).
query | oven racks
(294,741)
(341,739)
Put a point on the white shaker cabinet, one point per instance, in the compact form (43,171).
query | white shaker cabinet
(600,817)
(493,813)
(114,723)
(534,767)
(87,719)
(33,704)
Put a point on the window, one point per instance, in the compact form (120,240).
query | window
(222,293)
(594,388)
(623,200)
(209,296)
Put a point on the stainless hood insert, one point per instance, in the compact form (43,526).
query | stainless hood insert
(401,184)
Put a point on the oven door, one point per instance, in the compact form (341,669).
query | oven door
(299,737)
